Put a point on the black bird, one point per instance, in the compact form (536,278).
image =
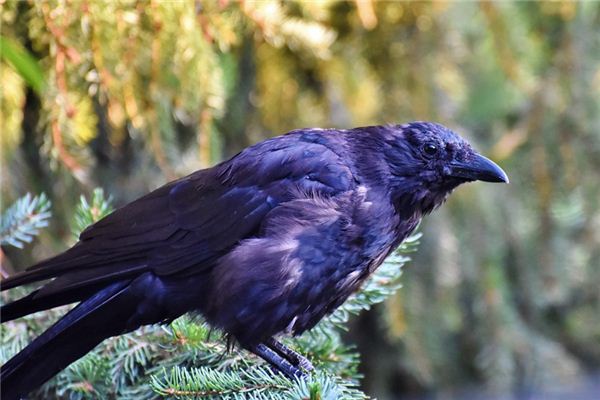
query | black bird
(265,243)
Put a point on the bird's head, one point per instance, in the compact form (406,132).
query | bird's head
(427,161)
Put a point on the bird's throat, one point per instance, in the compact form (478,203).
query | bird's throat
(419,202)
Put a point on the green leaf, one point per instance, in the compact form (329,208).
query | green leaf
(23,62)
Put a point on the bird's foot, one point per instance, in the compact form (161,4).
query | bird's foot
(296,359)
(277,361)
(283,359)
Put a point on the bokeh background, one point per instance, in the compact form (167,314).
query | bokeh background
(503,297)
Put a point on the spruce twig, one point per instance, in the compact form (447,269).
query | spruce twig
(89,212)
(22,221)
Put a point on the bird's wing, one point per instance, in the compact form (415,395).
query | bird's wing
(189,223)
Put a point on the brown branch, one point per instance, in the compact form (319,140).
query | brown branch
(62,53)
(63,154)
(104,74)
(58,34)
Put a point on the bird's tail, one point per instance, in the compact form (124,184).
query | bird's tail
(35,302)
(107,313)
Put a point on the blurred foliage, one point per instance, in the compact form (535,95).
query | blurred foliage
(504,293)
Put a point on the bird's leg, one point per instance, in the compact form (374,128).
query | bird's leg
(294,358)
(276,361)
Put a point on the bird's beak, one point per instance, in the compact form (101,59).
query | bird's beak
(479,168)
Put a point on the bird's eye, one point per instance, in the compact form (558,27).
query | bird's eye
(430,149)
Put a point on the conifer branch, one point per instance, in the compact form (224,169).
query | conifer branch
(22,221)
(89,212)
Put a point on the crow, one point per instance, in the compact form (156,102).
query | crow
(263,244)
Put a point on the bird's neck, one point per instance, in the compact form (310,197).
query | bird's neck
(410,196)
(415,200)
(369,148)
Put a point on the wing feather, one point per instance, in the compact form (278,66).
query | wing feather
(190,223)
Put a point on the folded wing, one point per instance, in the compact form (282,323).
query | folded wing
(185,226)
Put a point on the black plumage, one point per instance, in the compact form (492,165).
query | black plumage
(265,243)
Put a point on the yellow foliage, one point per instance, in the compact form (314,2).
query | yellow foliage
(12,98)
(84,122)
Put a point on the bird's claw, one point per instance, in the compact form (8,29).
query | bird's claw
(283,359)
(296,359)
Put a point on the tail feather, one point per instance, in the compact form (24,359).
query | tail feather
(85,275)
(105,314)
(23,278)
(35,302)
(71,288)
(44,270)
